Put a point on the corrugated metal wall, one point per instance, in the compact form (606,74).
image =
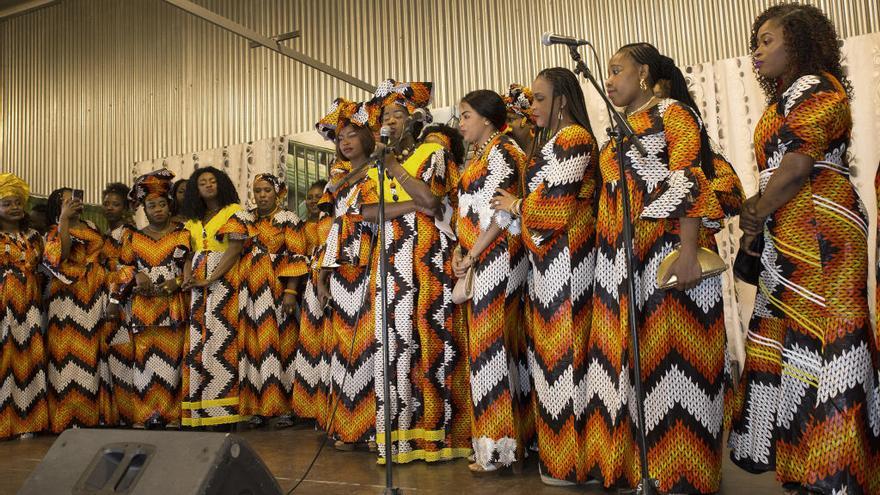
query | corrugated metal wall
(87,87)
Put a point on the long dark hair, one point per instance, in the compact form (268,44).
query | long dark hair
(194,206)
(661,67)
(488,104)
(175,208)
(810,40)
(53,205)
(565,83)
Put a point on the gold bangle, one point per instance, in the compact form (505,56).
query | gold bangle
(403,180)
(291,291)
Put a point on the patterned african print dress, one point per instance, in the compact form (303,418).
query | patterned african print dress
(157,322)
(211,347)
(500,382)
(429,378)
(808,405)
(23,405)
(119,350)
(77,302)
(558,222)
(347,255)
(681,333)
(275,252)
(311,364)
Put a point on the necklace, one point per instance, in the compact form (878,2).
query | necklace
(644,106)
(158,231)
(479,152)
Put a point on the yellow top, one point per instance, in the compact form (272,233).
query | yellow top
(411,165)
(204,236)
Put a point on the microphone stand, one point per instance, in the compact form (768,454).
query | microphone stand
(383,290)
(647,486)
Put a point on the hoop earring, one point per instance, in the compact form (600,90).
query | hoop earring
(643,85)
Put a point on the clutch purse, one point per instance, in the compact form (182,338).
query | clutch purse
(464,287)
(747,267)
(710,265)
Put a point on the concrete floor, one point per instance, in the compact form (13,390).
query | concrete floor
(288,452)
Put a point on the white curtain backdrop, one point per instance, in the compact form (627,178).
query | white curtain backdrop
(731,103)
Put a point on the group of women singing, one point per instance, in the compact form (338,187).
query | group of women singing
(507,308)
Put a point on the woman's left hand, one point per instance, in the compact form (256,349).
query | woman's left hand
(686,270)
(503,200)
(288,304)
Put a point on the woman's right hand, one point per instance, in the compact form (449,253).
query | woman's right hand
(70,208)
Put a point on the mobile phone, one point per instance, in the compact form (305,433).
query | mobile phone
(77,194)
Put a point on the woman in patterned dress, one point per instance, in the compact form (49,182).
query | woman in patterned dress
(272,266)
(151,263)
(489,244)
(345,267)
(75,257)
(311,364)
(558,225)
(808,406)
(429,378)
(217,233)
(23,407)
(684,366)
(119,351)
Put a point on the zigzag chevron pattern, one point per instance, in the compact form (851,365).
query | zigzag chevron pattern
(807,406)
(23,388)
(682,334)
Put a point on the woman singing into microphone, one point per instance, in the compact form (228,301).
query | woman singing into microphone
(428,371)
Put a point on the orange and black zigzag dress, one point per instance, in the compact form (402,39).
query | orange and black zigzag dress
(77,302)
(684,366)
(558,231)
(808,405)
(311,364)
(210,367)
(275,252)
(429,379)
(23,404)
(158,323)
(500,381)
(347,255)
(119,348)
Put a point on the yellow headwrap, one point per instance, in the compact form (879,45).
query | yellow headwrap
(12,185)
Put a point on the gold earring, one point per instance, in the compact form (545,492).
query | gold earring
(643,85)
(486,122)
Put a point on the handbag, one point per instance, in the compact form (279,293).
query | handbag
(464,287)
(747,267)
(710,265)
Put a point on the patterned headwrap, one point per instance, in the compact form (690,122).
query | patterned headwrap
(155,184)
(343,112)
(277,183)
(439,138)
(411,95)
(12,185)
(519,100)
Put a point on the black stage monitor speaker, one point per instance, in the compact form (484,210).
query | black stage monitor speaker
(139,462)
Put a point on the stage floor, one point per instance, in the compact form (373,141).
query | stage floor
(288,452)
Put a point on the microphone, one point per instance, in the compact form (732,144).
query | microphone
(385,134)
(549,38)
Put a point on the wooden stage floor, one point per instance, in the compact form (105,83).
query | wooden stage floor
(288,452)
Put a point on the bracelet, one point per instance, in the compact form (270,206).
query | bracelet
(403,180)
(114,301)
(291,291)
